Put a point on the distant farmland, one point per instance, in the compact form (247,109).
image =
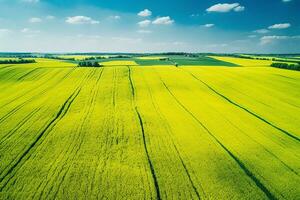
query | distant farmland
(212,127)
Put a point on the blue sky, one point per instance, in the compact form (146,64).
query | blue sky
(249,26)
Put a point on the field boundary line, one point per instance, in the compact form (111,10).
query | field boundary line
(166,125)
(245,109)
(80,127)
(40,85)
(235,158)
(28,73)
(61,113)
(18,107)
(154,177)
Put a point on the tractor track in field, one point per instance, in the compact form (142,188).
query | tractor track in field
(79,87)
(28,73)
(56,174)
(37,87)
(60,114)
(14,110)
(18,75)
(163,118)
(262,146)
(12,75)
(141,123)
(6,67)
(107,144)
(92,111)
(7,72)
(242,166)
(292,136)
(20,124)
(86,117)
(41,130)
(286,77)
(19,82)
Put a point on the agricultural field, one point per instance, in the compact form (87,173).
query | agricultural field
(118,63)
(179,60)
(211,128)
(76,57)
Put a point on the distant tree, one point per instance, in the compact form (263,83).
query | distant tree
(96,64)
(89,64)
(286,66)
(17,61)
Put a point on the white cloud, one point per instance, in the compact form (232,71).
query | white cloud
(30,31)
(144,23)
(145,13)
(285,1)
(144,31)
(208,25)
(50,17)
(194,15)
(163,21)
(35,20)
(25,30)
(226,7)
(261,31)
(269,39)
(81,20)
(239,9)
(280,26)
(116,17)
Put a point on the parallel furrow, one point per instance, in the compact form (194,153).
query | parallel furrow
(20,125)
(257,182)
(61,113)
(67,149)
(38,87)
(85,118)
(163,118)
(27,74)
(154,177)
(291,135)
(14,110)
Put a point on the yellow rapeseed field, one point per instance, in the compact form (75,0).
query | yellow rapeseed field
(243,62)
(156,132)
(119,63)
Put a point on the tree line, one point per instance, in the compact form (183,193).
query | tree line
(17,61)
(89,64)
(286,66)
(58,58)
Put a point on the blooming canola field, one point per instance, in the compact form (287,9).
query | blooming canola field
(126,131)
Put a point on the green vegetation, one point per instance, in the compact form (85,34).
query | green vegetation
(286,66)
(183,60)
(156,132)
(89,64)
(153,62)
(199,61)
(16,61)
